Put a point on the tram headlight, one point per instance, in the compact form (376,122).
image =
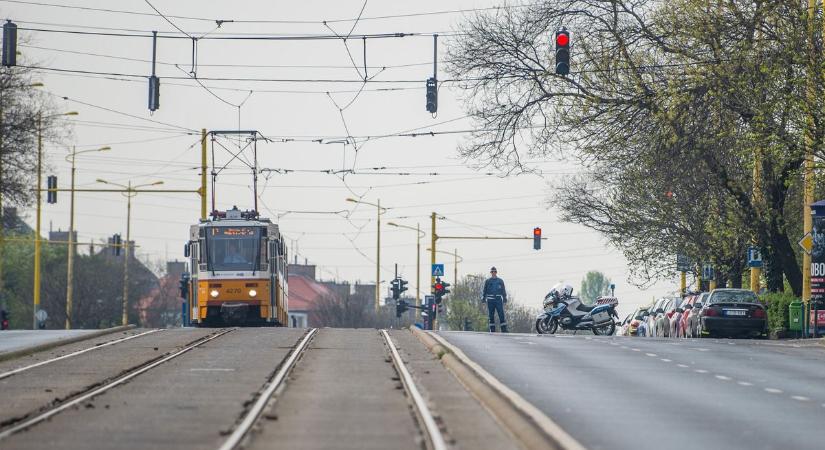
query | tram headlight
(253,292)
(214,293)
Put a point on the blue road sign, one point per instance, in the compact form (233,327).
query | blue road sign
(754,257)
(438,270)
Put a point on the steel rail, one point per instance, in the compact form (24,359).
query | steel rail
(430,427)
(118,381)
(257,408)
(69,355)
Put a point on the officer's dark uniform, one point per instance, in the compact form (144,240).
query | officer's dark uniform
(496,296)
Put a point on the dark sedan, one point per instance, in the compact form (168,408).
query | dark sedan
(733,313)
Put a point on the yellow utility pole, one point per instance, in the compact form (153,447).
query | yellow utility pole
(2,216)
(203,174)
(129,191)
(38,195)
(378,258)
(72,246)
(808,171)
(419,235)
(36,294)
(433,238)
(380,211)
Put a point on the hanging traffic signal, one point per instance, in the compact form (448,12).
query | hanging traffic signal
(537,238)
(9,44)
(154,93)
(562,52)
(402,286)
(116,242)
(432,95)
(51,192)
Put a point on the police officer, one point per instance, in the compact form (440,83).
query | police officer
(496,296)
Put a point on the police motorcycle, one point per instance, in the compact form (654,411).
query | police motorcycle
(562,309)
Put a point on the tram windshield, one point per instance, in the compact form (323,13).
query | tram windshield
(233,248)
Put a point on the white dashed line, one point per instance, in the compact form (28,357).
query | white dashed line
(653,355)
(665,360)
(684,366)
(635,349)
(744,383)
(800,398)
(701,371)
(773,390)
(722,377)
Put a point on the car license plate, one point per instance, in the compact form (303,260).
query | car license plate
(601,317)
(736,312)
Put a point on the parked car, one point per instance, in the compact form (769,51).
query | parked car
(630,325)
(690,317)
(655,321)
(733,313)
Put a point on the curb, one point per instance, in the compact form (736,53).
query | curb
(531,427)
(57,343)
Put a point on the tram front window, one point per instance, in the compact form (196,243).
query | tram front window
(233,248)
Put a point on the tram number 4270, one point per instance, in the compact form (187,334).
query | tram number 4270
(234,290)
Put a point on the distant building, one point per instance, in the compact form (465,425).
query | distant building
(63,236)
(13,223)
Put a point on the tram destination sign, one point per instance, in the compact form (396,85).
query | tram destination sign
(233,231)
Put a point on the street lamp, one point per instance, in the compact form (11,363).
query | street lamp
(377,248)
(130,191)
(417,257)
(71,248)
(37,239)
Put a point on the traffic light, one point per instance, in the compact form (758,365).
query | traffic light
(401,306)
(432,95)
(537,238)
(440,290)
(184,285)
(154,93)
(562,52)
(116,242)
(51,193)
(4,319)
(9,44)
(398,287)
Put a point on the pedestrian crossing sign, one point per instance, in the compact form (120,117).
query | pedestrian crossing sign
(438,270)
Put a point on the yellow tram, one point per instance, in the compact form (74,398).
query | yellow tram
(239,271)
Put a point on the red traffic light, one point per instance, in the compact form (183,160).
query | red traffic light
(562,39)
(439,286)
(537,232)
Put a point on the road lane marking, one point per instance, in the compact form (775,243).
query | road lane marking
(684,366)
(722,377)
(773,390)
(635,349)
(744,383)
(800,398)
(701,371)
(652,355)
(665,360)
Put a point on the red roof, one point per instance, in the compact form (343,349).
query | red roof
(304,293)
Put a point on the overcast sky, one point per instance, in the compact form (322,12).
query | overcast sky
(166,146)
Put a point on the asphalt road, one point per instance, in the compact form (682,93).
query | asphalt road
(631,393)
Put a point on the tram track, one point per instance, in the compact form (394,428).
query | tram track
(44,414)
(75,353)
(271,392)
